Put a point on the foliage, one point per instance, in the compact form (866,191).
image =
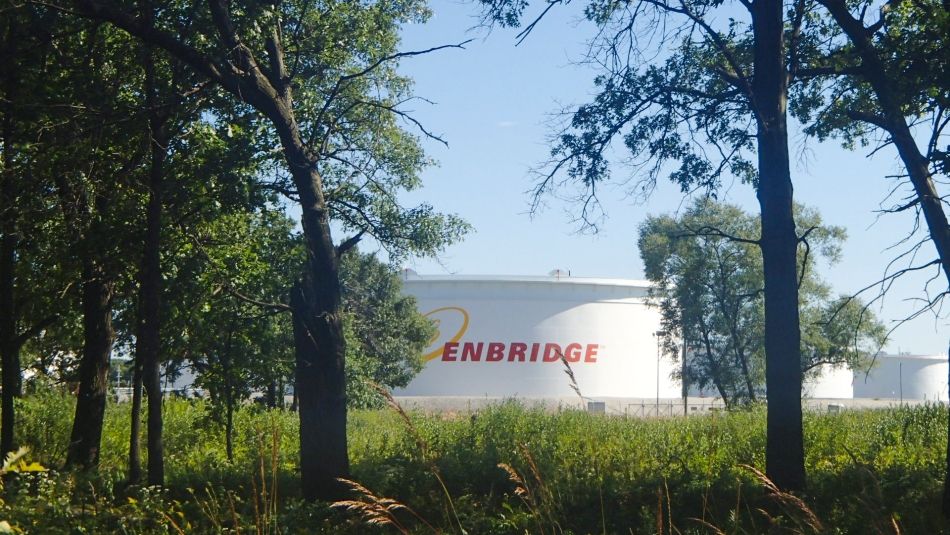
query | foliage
(596,473)
(841,103)
(385,332)
(708,278)
(238,346)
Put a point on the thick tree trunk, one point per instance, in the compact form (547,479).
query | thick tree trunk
(321,397)
(319,344)
(135,432)
(784,452)
(93,367)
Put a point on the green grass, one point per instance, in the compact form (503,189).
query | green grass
(581,473)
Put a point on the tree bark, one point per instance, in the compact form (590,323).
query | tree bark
(226,370)
(9,348)
(785,453)
(135,433)
(945,501)
(98,337)
(148,339)
(321,396)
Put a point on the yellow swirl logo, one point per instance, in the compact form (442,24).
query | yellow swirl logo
(447,320)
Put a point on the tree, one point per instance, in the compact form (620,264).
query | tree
(704,104)
(708,289)
(25,310)
(386,335)
(92,149)
(323,78)
(240,344)
(888,75)
(708,280)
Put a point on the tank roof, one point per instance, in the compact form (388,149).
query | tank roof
(908,356)
(411,276)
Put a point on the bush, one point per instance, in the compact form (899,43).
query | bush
(578,473)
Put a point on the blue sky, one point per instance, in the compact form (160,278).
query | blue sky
(494,103)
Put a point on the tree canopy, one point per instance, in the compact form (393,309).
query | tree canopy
(708,281)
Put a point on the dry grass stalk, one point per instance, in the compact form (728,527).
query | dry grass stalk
(174,524)
(794,506)
(397,408)
(523,491)
(265,497)
(570,375)
(373,509)
(423,450)
(378,510)
(536,495)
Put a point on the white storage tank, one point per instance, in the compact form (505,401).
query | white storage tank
(909,377)
(829,382)
(504,337)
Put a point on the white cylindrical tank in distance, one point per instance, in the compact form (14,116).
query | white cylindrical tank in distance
(505,336)
(910,377)
(829,382)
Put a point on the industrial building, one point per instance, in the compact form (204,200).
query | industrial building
(904,377)
(503,337)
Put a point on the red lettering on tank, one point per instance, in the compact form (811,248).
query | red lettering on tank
(534,352)
(591,354)
(572,353)
(517,352)
(472,352)
(448,351)
(496,352)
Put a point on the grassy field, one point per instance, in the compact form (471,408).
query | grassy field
(506,469)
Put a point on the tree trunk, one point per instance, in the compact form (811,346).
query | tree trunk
(784,452)
(9,347)
(319,344)
(148,339)
(321,397)
(229,423)
(135,433)
(714,364)
(271,397)
(93,368)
